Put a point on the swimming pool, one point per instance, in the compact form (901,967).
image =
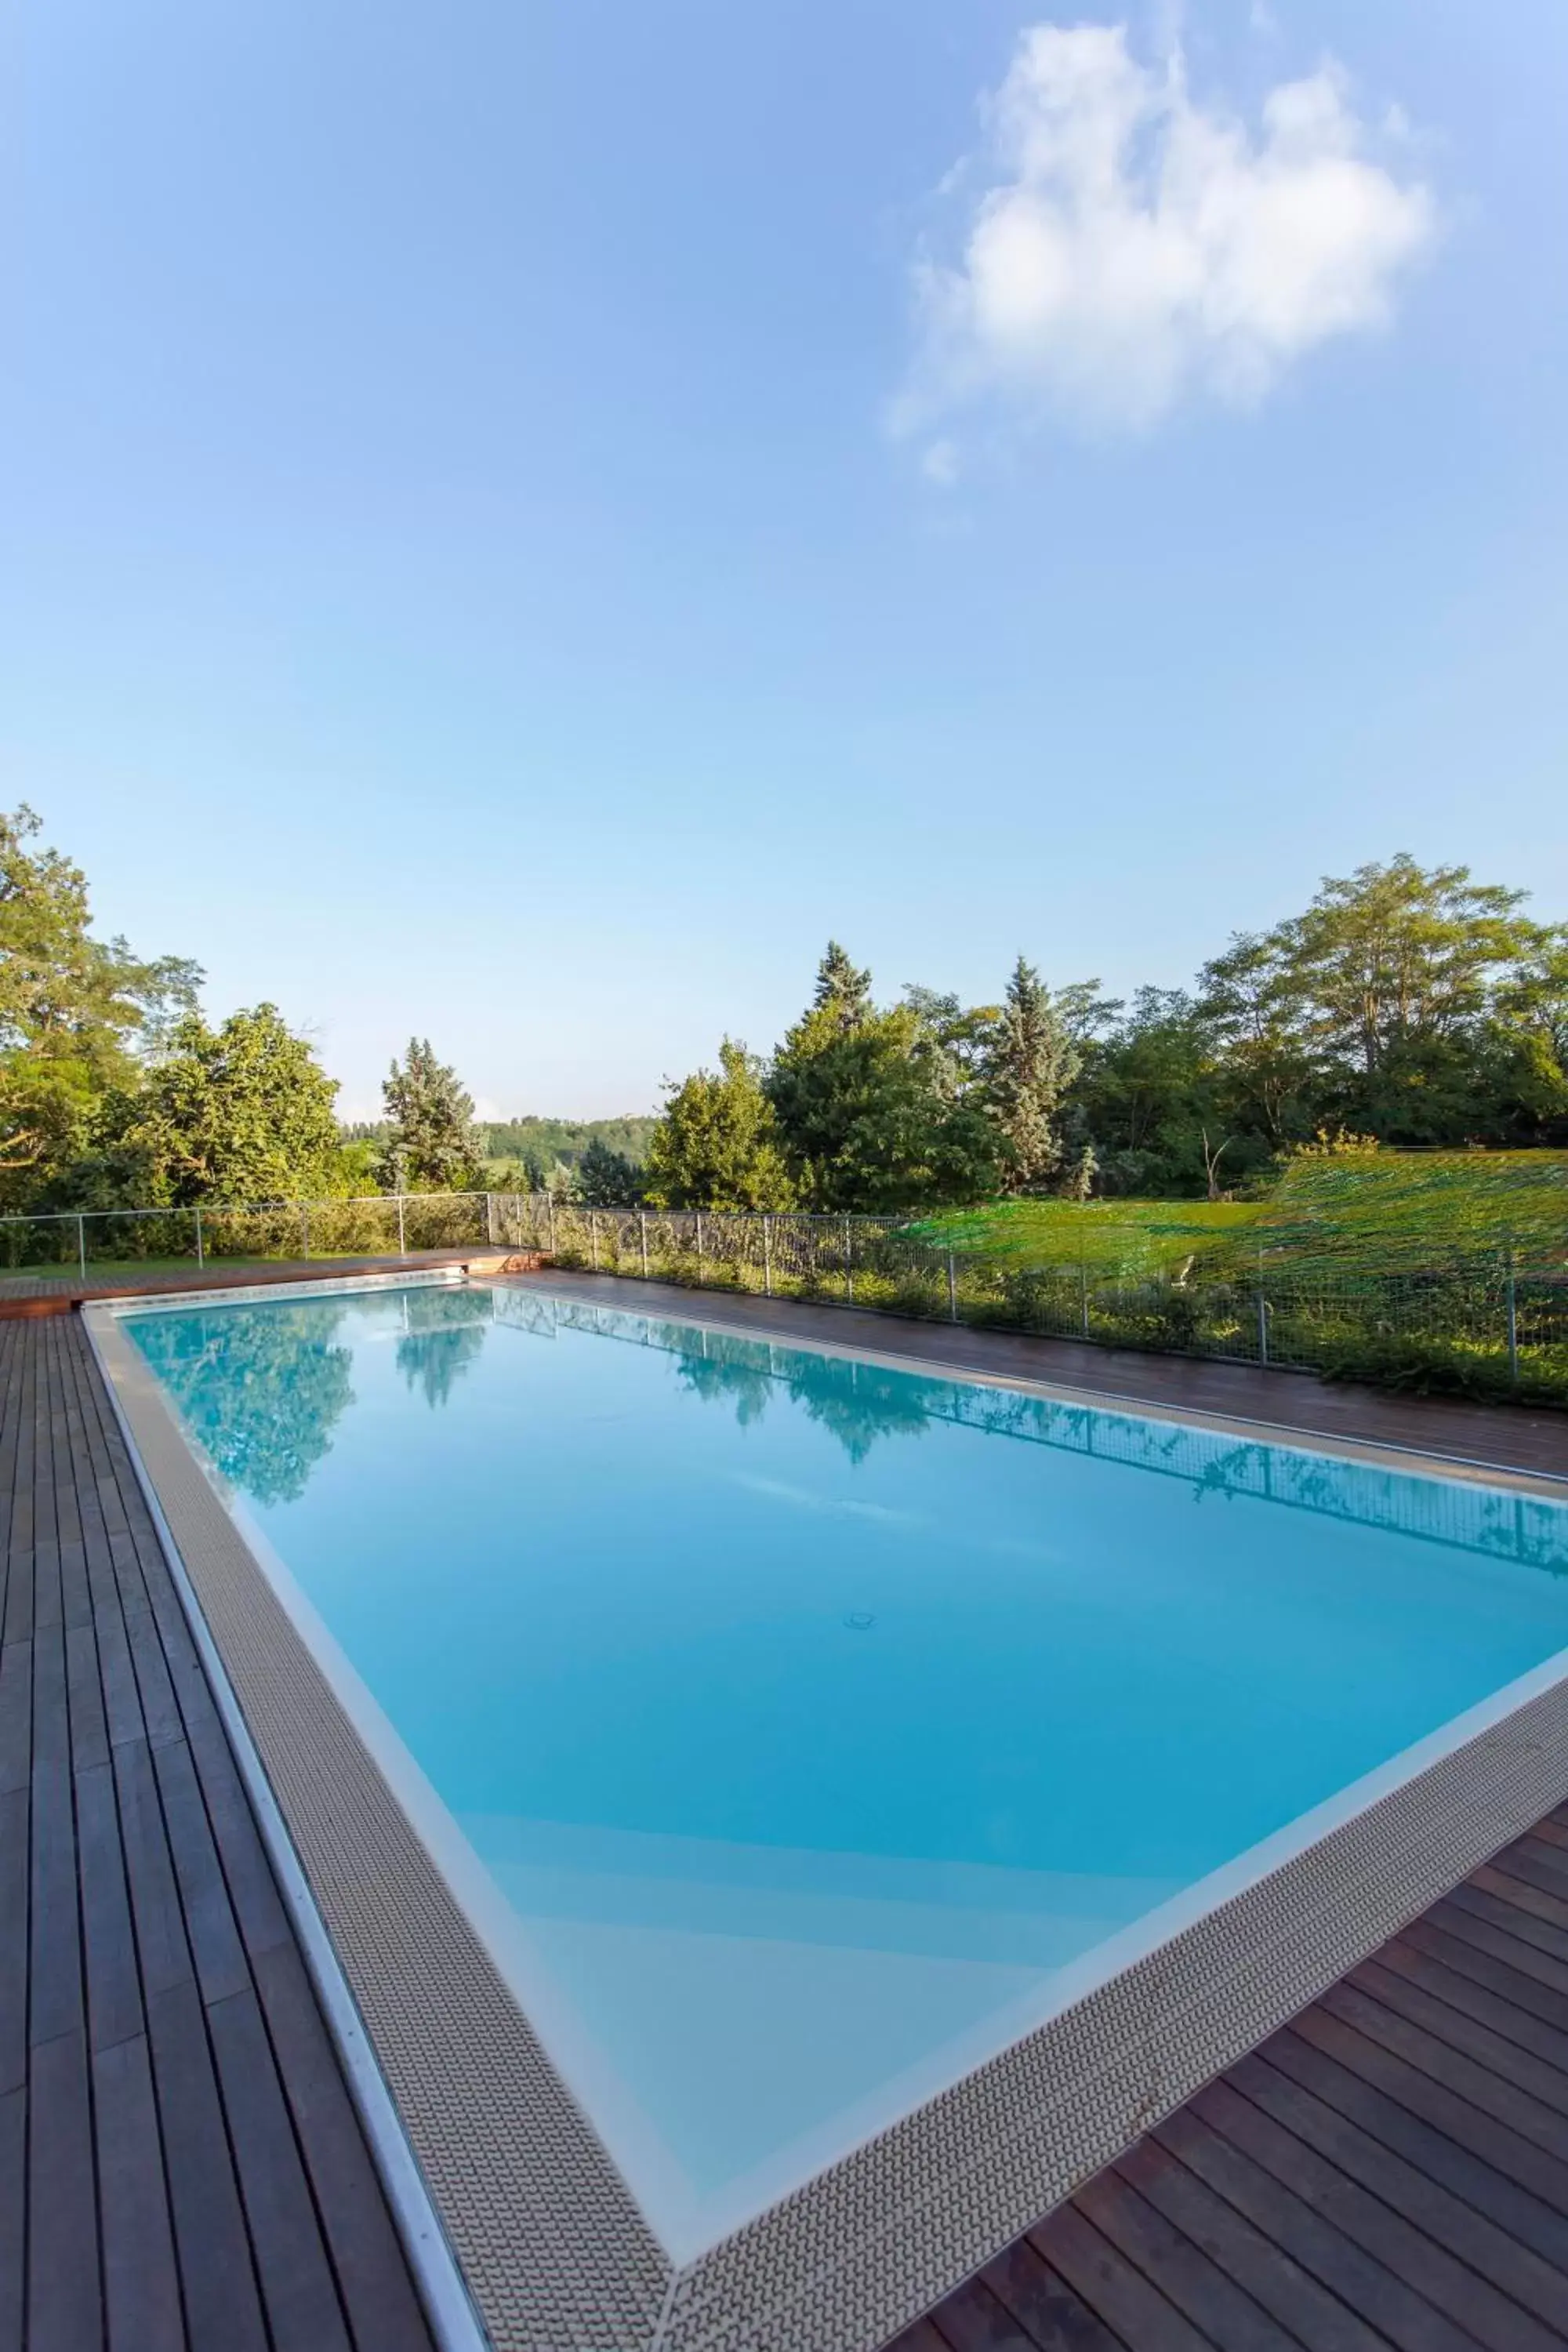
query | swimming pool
(800,1732)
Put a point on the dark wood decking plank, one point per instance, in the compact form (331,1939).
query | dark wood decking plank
(13,2217)
(15,1932)
(1508,2151)
(1514,1909)
(1433,2159)
(1482,2000)
(382,2309)
(1414,2260)
(1477,1932)
(56,2002)
(131,1863)
(16,1716)
(210,1928)
(65,2309)
(161,1939)
(84,1700)
(972,2319)
(1415,2226)
(217,2277)
(1248,2225)
(1467,2095)
(1045,2306)
(253,1890)
(108,1945)
(923,2337)
(1147,2238)
(1447,2027)
(1134,2309)
(1481,1965)
(141,2282)
(297,2281)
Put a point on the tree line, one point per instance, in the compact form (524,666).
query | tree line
(1404,1005)
(116,1090)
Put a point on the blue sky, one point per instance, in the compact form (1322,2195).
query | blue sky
(522,518)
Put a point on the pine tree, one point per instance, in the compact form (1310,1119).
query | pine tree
(433,1145)
(842,990)
(606,1179)
(1033,1061)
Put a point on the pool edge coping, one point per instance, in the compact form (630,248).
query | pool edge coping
(845,2260)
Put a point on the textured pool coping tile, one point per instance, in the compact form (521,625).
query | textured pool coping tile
(556,2253)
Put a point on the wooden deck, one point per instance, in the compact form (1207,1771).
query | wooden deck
(1391,2170)
(42,1293)
(180,2164)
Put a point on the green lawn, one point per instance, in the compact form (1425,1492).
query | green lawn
(1373,1213)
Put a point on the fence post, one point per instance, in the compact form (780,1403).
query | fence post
(952,1288)
(699,1216)
(849,1268)
(201,1259)
(593,1239)
(1512,1302)
(550,1198)
(1083,1296)
(81,1245)
(402,1243)
(642,1237)
(1262,1324)
(304,1230)
(767,1257)
(491,1219)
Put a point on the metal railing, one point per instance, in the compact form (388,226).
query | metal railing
(377,1225)
(1483,1325)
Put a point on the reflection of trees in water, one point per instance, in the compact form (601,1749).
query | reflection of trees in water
(442,1334)
(261,1386)
(857,1403)
(713,1378)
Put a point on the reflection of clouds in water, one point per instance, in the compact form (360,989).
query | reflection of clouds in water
(779,1490)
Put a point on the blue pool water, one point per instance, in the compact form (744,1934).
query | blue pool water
(798,1731)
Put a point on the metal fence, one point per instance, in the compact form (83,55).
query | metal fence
(1482,1325)
(1485,1325)
(382,1225)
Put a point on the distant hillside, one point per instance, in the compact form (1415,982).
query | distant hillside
(566,1139)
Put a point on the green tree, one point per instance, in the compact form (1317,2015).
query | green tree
(867,1108)
(1155,1095)
(718,1145)
(432,1144)
(239,1113)
(843,993)
(1033,1060)
(1253,1000)
(608,1179)
(76,1014)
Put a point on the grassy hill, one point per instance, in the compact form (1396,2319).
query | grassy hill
(1375,1212)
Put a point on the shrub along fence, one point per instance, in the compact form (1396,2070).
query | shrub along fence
(1490,1323)
(1485,1326)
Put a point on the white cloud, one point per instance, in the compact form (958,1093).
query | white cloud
(1130,248)
(939,464)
